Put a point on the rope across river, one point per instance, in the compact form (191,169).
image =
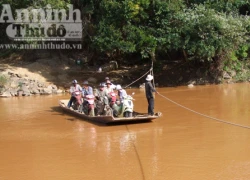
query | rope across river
(216,119)
(204,115)
(139,78)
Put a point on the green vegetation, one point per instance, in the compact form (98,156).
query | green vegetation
(6,53)
(3,82)
(214,32)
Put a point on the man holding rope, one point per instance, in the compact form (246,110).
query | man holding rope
(149,94)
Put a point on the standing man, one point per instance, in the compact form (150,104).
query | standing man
(149,94)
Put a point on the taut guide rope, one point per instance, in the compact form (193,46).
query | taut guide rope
(216,119)
(139,78)
(204,115)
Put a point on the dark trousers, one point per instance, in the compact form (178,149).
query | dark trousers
(71,100)
(150,106)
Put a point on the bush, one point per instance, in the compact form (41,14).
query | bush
(3,82)
(208,34)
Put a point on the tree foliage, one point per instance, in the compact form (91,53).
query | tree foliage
(202,30)
(207,33)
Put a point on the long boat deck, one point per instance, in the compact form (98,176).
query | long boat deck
(108,119)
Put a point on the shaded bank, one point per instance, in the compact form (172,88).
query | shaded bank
(49,72)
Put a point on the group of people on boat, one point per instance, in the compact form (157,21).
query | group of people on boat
(101,101)
(108,99)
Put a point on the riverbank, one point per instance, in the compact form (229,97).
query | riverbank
(51,73)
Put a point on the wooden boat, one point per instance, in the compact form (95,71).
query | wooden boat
(108,119)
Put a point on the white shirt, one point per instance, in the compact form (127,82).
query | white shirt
(109,90)
(111,85)
(75,88)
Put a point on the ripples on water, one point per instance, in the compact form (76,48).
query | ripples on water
(38,141)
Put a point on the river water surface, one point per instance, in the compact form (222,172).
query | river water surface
(40,142)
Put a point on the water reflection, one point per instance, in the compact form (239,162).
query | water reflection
(37,139)
(126,141)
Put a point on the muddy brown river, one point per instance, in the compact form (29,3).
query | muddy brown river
(40,142)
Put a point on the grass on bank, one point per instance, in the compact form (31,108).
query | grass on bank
(3,82)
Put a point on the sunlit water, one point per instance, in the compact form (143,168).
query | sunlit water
(40,142)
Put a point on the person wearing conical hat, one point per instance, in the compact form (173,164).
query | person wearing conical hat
(149,89)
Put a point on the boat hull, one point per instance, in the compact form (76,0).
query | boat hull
(138,117)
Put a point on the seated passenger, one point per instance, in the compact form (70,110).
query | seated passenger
(102,99)
(101,94)
(108,88)
(89,106)
(75,91)
(111,84)
(123,107)
(121,93)
(86,89)
(113,104)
